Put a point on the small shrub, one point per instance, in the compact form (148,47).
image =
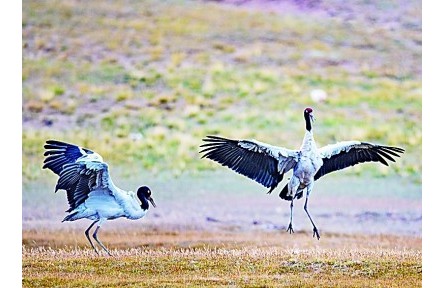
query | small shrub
(122,96)
(56,105)
(35,106)
(58,91)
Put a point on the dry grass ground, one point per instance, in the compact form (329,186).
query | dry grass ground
(238,259)
(176,245)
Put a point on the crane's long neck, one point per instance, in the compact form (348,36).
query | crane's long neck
(308,140)
(307,118)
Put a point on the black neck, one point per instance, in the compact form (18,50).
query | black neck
(144,205)
(308,122)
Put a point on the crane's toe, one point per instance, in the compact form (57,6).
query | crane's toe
(290,229)
(108,252)
(316,233)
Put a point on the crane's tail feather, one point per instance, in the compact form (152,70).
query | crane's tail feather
(70,217)
(285,195)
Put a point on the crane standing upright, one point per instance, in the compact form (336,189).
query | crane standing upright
(266,164)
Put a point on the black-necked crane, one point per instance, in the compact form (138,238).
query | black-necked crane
(90,191)
(266,164)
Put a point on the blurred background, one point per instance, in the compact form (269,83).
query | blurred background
(142,82)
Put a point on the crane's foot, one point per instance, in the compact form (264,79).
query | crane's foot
(290,229)
(108,252)
(104,248)
(95,250)
(316,233)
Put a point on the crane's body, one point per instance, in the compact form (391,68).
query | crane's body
(101,205)
(266,164)
(309,162)
(90,190)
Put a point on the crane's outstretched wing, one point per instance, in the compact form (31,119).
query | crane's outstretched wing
(80,170)
(80,178)
(349,153)
(261,162)
(60,153)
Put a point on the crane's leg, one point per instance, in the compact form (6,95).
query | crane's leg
(87,233)
(293,184)
(97,240)
(289,228)
(309,189)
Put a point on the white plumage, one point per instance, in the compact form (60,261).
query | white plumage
(266,164)
(90,190)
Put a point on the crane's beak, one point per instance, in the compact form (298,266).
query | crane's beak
(152,201)
(312,117)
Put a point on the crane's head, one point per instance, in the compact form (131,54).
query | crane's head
(309,111)
(144,194)
(309,117)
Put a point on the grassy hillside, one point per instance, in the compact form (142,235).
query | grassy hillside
(141,82)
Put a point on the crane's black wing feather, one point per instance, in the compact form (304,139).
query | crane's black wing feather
(79,179)
(253,159)
(60,153)
(349,153)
